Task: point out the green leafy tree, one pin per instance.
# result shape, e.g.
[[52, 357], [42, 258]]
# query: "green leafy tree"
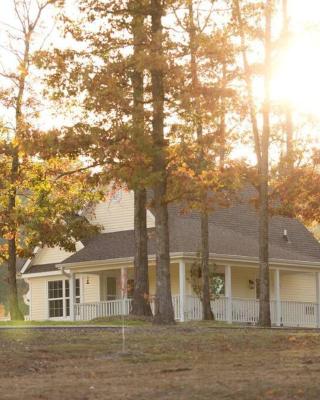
[[39, 199]]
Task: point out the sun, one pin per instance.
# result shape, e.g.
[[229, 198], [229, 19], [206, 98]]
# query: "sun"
[[296, 74]]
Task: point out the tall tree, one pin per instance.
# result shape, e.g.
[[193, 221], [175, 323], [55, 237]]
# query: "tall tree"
[[113, 91], [28, 25], [261, 145], [39, 201], [288, 125], [203, 139], [264, 303], [140, 302], [204, 218], [164, 308]]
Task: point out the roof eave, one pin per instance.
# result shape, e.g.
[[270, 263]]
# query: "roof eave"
[[193, 255]]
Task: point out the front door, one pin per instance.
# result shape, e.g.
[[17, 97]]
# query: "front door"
[[111, 288]]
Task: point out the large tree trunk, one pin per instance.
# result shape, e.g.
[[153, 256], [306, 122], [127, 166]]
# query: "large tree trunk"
[[288, 109], [204, 254], [264, 307], [15, 313], [206, 307], [164, 310], [140, 303], [262, 153], [222, 124], [264, 304]]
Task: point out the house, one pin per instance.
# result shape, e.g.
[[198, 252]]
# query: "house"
[[88, 283]]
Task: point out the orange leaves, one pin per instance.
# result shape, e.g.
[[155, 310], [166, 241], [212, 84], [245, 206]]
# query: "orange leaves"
[[298, 193]]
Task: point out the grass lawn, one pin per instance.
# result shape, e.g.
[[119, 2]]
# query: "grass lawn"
[[96, 322], [188, 361]]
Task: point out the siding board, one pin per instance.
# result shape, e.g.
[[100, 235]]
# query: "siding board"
[[116, 214]]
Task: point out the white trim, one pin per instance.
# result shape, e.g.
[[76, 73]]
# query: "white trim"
[[47, 299], [64, 279], [79, 246], [228, 291], [277, 296], [81, 277], [182, 288], [42, 274], [30, 303], [214, 257], [289, 265]]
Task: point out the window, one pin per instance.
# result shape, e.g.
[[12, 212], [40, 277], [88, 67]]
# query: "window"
[[55, 294], [67, 294], [59, 298], [111, 288]]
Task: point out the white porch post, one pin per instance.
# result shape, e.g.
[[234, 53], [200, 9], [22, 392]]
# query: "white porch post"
[[228, 292], [124, 282], [72, 295], [318, 298], [182, 288], [277, 296]]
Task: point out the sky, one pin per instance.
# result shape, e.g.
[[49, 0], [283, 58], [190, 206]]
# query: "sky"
[[296, 77]]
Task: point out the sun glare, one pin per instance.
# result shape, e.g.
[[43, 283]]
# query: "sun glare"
[[296, 78]]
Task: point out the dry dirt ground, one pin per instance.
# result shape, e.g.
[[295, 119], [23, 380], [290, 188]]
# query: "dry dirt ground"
[[181, 362]]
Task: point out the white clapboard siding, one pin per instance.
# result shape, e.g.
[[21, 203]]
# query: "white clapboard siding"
[[38, 299], [297, 286], [90, 288], [49, 255], [240, 282], [117, 213]]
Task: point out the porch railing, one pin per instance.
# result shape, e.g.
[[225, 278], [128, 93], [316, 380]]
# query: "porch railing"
[[294, 313], [110, 308], [242, 310]]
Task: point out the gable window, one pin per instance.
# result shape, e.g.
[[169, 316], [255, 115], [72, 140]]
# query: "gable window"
[[59, 298]]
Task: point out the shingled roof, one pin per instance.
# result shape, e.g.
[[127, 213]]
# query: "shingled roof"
[[233, 232]]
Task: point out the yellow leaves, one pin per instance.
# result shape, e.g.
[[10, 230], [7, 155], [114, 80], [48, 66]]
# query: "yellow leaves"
[[23, 71], [184, 169]]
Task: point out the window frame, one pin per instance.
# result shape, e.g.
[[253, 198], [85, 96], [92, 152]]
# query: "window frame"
[[64, 298]]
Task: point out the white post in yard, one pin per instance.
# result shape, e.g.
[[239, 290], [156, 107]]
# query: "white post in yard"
[[277, 296], [228, 292], [72, 295], [318, 298], [182, 288]]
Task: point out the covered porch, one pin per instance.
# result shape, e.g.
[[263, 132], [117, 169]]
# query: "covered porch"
[[294, 293]]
